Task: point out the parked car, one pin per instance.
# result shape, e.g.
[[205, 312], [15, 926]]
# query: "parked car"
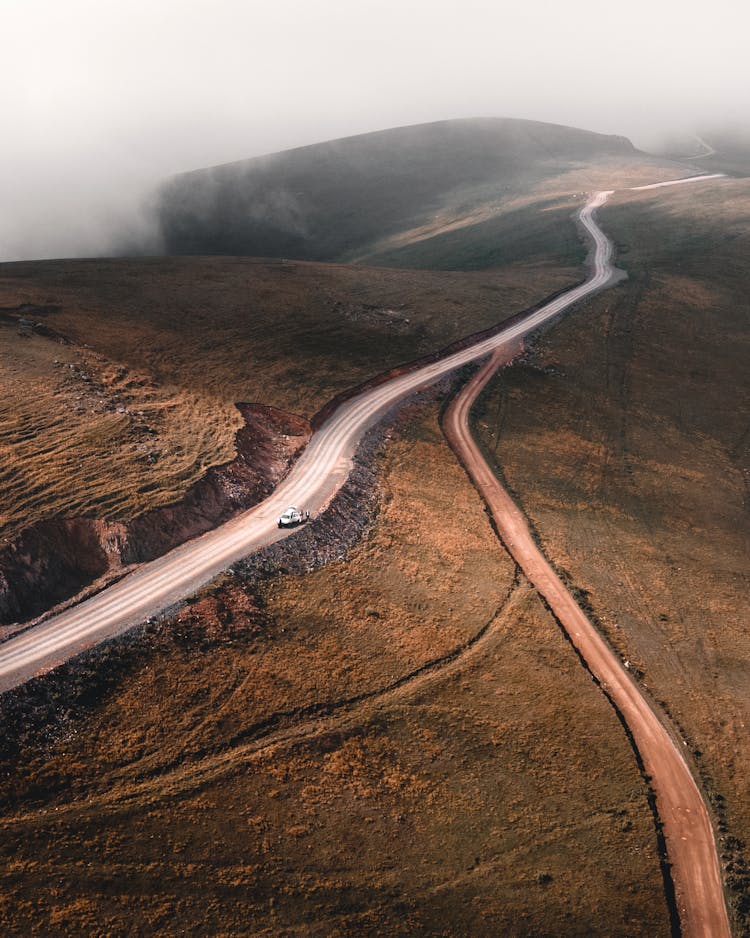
[[291, 518]]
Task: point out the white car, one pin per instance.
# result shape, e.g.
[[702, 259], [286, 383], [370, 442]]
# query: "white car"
[[290, 518]]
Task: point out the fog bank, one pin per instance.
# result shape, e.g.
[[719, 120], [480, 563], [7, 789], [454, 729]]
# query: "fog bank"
[[104, 100]]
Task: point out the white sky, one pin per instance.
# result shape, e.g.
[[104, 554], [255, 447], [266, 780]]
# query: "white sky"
[[102, 99]]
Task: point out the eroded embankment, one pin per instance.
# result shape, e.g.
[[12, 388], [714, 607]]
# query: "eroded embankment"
[[63, 560], [46, 704], [54, 560]]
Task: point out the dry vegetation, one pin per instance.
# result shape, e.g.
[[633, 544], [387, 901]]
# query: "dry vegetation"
[[200, 792], [625, 438], [82, 435], [132, 413], [218, 776]]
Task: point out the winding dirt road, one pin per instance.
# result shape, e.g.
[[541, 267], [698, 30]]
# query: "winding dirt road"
[[708, 150], [686, 824], [316, 477]]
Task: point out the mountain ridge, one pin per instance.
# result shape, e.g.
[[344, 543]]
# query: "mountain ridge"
[[326, 201]]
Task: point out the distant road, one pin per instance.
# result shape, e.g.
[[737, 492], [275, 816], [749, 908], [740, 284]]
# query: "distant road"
[[678, 182], [709, 150]]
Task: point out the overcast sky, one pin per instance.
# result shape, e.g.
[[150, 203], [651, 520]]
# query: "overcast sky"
[[101, 99]]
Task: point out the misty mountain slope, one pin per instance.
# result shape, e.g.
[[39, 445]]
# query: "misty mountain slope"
[[730, 146], [334, 200], [524, 233], [732, 154]]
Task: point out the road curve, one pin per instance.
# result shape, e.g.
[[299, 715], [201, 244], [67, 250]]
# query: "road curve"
[[317, 475], [709, 150], [687, 830], [315, 478]]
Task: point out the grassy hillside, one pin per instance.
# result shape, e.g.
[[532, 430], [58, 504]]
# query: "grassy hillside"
[[494, 794], [528, 231], [334, 200], [134, 410]]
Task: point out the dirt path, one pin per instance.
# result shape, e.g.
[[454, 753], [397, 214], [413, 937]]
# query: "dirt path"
[[687, 829]]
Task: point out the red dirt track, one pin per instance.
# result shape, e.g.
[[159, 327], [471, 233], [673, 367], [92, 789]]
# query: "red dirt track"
[[691, 849]]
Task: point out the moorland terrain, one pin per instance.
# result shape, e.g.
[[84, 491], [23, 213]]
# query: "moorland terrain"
[[401, 740]]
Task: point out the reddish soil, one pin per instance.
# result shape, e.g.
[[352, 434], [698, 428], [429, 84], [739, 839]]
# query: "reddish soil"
[[681, 808], [622, 434], [54, 560]]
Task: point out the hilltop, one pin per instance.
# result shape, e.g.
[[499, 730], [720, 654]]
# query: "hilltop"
[[340, 200]]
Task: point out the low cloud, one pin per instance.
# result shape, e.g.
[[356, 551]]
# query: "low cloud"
[[101, 102]]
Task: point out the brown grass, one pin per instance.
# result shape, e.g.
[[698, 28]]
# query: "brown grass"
[[494, 795], [165, 348], [80, 435]]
